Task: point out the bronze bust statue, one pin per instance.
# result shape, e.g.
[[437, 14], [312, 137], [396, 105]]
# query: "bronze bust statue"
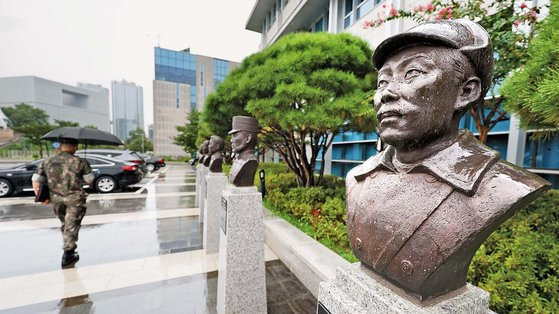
[[216, 158], [419, 210], [205, 160], [243, 142]]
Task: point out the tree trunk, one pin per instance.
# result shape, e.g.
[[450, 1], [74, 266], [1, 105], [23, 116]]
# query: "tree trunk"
[[534, 159], [483, 131]]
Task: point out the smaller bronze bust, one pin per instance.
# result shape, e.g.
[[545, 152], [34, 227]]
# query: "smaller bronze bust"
[[216, 158], [243, 142], [205, 159]]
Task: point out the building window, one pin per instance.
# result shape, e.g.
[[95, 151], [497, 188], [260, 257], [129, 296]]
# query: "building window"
[[201, 74], [319, 25], [193, 98], [348, 9], [364, 7], [221, 69], [177, 95], [273, 13]]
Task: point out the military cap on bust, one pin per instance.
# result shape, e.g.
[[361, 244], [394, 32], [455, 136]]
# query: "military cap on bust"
[[464, 35], [243, 123]]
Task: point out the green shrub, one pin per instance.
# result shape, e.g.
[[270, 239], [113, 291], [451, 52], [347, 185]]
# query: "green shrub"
[[519, 263]]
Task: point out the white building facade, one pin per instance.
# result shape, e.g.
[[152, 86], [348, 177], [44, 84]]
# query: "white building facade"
[[87, 104]]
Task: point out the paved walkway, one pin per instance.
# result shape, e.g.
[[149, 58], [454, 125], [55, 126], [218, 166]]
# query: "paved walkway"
[[140, 252]]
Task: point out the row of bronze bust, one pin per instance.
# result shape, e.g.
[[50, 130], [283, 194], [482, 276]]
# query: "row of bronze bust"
[[243, 143], [418, 210]]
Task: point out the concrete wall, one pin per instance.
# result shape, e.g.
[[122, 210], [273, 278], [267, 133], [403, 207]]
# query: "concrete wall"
[[86, 104]]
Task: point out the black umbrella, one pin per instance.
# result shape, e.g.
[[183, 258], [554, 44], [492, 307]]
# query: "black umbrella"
[[83, 135]]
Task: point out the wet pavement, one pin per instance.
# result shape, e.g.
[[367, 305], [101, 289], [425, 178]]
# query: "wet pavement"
[[140, 252]]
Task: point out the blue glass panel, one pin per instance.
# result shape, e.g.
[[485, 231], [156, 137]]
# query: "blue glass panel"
[[338, 138], [337, 152], [547, 154], [319, 26], [498, 143], [365, 8], [337, 169]]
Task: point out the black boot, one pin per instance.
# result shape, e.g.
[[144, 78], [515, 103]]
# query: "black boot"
[[69, 258]]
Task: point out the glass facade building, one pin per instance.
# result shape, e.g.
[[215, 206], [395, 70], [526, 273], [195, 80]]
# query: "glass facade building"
[[181, 85]]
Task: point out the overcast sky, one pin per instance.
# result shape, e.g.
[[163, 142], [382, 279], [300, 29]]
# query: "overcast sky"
[[97, 41]]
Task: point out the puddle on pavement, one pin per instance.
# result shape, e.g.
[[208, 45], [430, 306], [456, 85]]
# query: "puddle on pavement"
[[192, 294], [28, 252]]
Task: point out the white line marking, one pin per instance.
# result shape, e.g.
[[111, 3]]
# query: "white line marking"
[[145, 185]]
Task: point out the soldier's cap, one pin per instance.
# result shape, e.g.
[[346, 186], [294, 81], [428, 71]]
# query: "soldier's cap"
[[243, 123], [464, 35], [64, 140]]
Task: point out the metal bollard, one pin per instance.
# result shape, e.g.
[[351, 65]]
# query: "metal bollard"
[[263, 182]]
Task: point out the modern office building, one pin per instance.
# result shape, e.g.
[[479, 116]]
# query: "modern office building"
[[87, 104], [182, 82], [275, 18], [128, 108]]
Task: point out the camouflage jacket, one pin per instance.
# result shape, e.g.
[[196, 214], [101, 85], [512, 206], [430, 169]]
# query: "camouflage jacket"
[[64, 174]]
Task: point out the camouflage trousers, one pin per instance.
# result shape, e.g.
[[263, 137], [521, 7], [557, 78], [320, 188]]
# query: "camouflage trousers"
[[70, 210]]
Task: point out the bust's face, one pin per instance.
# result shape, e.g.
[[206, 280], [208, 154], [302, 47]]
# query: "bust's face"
[[213, 146], [240, 141], [205, 145], [415, 98]]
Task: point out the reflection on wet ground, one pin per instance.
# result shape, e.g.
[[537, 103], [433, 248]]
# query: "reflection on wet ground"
[[99, 207], [192, 294], [33, 251], [170, 189]]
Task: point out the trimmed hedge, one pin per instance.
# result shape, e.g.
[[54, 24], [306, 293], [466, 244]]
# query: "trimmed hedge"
[[518, 264]]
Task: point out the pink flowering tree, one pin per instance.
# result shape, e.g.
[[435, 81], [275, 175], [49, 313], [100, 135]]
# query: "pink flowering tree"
[[510, 25]]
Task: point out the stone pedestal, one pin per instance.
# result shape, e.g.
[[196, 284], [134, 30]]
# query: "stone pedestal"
[[198, 180], [241, 286], [215, 184], [203, 191], [358, 290]]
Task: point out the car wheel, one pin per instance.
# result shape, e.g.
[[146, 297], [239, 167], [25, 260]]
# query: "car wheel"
[[150, 167], [6, 188], [105, 184]]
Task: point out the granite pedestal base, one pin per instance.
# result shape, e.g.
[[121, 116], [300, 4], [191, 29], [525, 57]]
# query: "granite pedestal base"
[[198, 182], [215, 184], [203, 192], [356, 289], [241, 285]]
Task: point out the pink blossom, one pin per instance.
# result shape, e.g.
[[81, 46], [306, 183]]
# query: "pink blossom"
[[516, 23], [384, 6], [523, 5], [393, 12], [430, 7]]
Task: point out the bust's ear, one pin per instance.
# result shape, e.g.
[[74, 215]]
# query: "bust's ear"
[[248, 138], [469, 92]]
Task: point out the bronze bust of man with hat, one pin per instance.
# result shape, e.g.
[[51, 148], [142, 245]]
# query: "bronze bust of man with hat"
[[243, 143], [418, 211], [214, 150], [205, 159]]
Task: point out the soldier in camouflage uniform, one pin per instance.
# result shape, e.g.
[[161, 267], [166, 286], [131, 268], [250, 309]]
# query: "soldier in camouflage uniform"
[[65, 175]]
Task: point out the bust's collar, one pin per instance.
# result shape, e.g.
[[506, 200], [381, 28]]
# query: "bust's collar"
[[461, 165]]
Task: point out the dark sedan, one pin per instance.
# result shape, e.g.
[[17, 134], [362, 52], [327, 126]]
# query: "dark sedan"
[[153, 163], [110, 174]]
